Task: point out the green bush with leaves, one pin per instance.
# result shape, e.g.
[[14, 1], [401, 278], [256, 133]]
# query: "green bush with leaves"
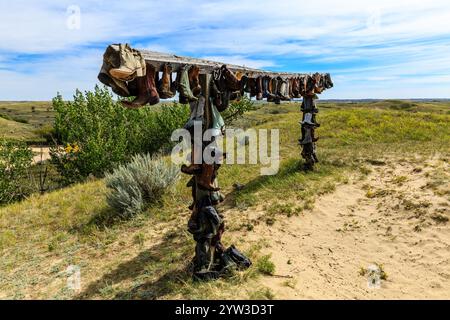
[[139, 183], [15, 161], [107, 134], [237, 108]]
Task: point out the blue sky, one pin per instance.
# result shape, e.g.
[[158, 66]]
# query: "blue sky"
[[373, 49]]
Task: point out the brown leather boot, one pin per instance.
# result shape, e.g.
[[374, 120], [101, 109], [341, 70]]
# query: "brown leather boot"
[[270, 86], [296, 88], [154, 96], [259, 89], [193, 168], [251, 87], [233, 83], [146, 87], [165, 84], [194, 81], [291, 87], [205, 179]]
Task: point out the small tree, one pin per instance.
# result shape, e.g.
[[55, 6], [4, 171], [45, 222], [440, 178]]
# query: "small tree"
[[15, 161]]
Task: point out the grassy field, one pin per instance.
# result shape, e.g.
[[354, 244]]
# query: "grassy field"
[[147, 257], [26, 121]]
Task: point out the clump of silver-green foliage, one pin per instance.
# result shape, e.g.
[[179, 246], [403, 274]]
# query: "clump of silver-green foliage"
[[139, 183]]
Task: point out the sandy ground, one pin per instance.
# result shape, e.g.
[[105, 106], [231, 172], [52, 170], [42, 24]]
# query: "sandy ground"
[[390, 218], [40, 154]]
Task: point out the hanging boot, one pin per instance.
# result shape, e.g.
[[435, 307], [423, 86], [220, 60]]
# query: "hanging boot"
[[184, 88], [291, 87], [252, 87], [243, 80], [296, 88], [259, 89], [205, 179], [265, 86], [233, 83], [193, 168], [194, 81], [131, 64], [147, 92], [165, 84], [118, 87], [270, 86]]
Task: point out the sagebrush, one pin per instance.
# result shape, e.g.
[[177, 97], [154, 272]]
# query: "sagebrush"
[[139, 183]]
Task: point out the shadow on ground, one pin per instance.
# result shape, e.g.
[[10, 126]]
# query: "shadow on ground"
[[145, 265]]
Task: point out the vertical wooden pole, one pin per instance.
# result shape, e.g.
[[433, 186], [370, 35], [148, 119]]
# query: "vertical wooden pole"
[[204, 83]]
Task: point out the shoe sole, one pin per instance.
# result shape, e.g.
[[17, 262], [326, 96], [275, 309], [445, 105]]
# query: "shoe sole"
[[121, 74]]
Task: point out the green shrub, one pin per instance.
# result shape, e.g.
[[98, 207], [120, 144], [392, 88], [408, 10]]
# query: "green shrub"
[[139, 183], [15, 161], [106, 133], [237, 109]]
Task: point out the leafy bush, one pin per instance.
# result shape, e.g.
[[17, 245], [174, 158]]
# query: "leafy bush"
[[139, 183], [237, 109], [106, 133], [15, 160]]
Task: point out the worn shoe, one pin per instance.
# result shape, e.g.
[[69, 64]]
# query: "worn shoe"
[[206, 177], [165, 84], [183, 85], [118, 87], [259, 89], [194, 81], [233, 82], [147, 92], [131, 64]]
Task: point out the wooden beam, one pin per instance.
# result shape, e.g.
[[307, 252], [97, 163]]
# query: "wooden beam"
[[157, 59]]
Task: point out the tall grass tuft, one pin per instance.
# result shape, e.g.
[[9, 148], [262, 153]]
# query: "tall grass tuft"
[[139, 183]]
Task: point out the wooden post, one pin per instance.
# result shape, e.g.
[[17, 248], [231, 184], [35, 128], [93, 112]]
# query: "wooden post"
[[204, 83]]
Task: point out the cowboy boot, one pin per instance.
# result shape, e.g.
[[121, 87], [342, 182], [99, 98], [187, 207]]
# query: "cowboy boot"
[[165, 84], [259, 90], [184, 88], [291, 87], [252, 87], [265, 84], [282, 87], [328, 83], [243, 80], [194, 81], [317, 83], [232, 82], [269, 85], [206, 177], [215, 94], [193, 168], [273, 86], [296, 88], [147, 92]]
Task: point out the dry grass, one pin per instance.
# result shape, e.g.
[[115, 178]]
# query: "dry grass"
[[148, 256]]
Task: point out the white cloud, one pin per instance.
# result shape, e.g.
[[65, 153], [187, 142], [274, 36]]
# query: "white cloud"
[[368, 41]]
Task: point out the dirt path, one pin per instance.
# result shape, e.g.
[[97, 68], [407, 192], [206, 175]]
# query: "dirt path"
[[393, 218], [41, 154]]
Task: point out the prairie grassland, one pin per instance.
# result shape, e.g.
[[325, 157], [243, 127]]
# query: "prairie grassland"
[[26, 121], [147, 257]]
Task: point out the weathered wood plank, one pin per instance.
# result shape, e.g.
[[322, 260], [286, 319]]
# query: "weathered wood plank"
[[206, 66]]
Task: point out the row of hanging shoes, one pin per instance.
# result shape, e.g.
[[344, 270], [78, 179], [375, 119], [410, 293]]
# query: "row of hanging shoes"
[[277, 89], [127, 73]]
